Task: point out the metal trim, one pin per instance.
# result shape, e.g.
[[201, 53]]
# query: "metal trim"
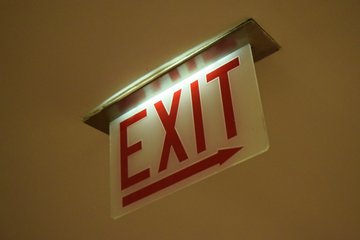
[[248, 31]]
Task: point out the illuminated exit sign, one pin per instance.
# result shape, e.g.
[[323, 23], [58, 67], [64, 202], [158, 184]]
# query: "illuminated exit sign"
[[190, 122]]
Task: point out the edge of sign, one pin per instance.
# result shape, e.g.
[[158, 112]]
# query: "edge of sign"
[[117, 215]]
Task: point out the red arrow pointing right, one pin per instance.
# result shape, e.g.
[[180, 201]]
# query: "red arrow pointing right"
[[218, 158]]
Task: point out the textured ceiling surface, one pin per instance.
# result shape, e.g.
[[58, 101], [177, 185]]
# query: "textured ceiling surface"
[[59, 59]]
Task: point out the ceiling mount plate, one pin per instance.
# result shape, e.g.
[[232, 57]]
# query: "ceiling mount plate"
[[248, 32]]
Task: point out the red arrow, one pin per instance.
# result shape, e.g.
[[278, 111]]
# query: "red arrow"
[[218, 158]]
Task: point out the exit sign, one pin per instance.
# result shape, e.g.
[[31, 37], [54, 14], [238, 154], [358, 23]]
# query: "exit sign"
[[207, 122], [192, 117]]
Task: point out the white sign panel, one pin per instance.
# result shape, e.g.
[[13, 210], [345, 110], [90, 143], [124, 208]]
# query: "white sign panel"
[[206, 123]]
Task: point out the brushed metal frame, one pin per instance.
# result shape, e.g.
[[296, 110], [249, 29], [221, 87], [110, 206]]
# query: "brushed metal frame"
[[248, 31]]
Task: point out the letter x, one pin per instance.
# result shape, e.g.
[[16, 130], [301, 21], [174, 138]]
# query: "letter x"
[[171, 138]]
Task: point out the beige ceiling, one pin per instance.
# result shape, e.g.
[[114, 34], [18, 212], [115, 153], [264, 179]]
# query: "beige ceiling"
[[59, 59]]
